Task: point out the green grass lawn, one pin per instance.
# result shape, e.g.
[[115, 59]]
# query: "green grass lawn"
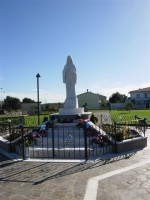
[[126, 116], [26, 120]]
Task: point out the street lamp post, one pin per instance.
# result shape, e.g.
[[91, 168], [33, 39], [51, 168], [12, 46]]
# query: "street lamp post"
[[38, 103]]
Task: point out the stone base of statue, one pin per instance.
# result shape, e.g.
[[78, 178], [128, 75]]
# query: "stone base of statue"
[[70, 114], [71, 111]]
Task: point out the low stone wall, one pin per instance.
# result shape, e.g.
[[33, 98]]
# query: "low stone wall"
[[131, 144]]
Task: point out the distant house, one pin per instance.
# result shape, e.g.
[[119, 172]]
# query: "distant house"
[[141, 98], [30, 108], [92, 101]]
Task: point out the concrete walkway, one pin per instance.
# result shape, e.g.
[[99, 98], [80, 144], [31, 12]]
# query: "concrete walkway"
[[117, 176]]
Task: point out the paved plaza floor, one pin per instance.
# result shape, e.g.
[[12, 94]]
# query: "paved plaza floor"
[[117, 176]]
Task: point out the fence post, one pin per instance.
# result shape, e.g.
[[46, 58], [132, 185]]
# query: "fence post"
[[53, 141], [10, 135], [22, 138], [115, 124], [85, 142], [101, 118], [144, 127]]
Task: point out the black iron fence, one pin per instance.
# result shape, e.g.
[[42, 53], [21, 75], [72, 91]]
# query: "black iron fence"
[[59, 142], [29, 121], [71, 142]]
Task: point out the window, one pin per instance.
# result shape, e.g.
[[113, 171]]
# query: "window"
[[138, 96]]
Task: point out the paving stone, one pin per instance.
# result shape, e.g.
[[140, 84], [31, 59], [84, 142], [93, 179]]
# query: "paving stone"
[[68, 181]]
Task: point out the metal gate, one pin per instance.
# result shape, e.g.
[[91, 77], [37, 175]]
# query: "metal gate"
[[63, 142]]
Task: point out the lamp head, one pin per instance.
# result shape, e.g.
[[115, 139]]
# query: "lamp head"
[[38, 75]]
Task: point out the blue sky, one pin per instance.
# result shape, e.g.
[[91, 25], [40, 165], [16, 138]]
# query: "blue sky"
[[108, 40]]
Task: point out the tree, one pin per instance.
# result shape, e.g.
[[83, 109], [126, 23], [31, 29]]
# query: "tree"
[[117, 98], [128, 106], [12, 103], [27, 100], [45, 107]]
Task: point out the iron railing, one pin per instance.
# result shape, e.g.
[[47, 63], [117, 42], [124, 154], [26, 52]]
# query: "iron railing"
[[71, 142]]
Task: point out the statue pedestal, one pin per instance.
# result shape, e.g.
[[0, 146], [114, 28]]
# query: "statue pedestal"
[[71, 114], [71, 111]]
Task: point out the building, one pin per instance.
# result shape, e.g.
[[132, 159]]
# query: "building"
[[140, 98], [92, 101]]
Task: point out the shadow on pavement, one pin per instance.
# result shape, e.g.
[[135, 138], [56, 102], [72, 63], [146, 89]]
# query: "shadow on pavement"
[[37, 173]]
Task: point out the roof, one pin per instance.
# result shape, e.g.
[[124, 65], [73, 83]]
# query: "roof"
[[91, 93], [141, 90]]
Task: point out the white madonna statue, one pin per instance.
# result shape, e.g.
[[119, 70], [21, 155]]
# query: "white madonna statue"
[[70, 79]]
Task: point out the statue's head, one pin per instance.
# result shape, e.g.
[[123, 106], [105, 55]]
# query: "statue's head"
[[69, 60]]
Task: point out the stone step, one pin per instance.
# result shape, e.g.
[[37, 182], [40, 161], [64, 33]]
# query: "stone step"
[[67, 153], [63, 153]]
